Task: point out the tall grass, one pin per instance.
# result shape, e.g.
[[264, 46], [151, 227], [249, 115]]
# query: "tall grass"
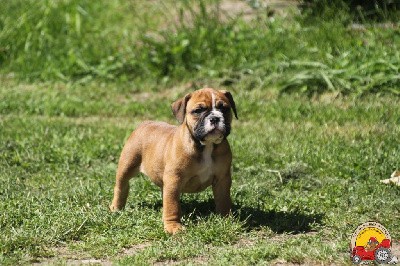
[[114, 40], [48, 39]]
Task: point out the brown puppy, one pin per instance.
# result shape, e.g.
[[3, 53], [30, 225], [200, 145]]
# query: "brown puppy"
[[185, 158]]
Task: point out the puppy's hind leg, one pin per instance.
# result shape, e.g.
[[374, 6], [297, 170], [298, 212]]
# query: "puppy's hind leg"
[[128, 166]]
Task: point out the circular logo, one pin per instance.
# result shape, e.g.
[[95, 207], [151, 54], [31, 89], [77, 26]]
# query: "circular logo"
[[369, 231]]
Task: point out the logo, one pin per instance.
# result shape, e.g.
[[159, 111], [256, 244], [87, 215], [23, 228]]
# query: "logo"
[[371, 241]]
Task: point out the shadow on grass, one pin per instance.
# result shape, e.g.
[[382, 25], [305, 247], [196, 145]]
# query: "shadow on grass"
[[279, 222]]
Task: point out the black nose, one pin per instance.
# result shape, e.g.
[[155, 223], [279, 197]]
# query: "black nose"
[[214, 120]]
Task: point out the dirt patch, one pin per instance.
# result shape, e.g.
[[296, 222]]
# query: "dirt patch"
[[283, 262], [229, 9], [201, 260], [236, 8], [134, 249], [283, 237], [64, 255], [73, 262], [249, 9], [396, 249], [245, 243]]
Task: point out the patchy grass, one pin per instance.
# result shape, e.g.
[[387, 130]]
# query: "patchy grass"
[[319, 126], [60, 145], [175, 41]]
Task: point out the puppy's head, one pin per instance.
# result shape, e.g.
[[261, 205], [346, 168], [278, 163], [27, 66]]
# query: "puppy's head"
[[207, 114]]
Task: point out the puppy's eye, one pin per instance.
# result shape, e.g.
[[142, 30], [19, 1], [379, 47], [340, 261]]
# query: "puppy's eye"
[[198, 110], [223, 108]]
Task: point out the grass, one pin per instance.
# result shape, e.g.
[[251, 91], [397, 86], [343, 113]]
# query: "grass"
[[58, 161], [317, 101], [175, 42]]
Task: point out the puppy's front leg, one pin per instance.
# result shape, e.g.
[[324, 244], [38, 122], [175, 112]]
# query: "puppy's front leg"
[[171, 206], [221, 189]]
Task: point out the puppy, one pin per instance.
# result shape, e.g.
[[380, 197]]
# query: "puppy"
[[182, 159]]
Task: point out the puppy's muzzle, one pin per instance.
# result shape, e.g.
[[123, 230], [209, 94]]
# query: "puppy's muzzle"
[[214, 120], [211, 128]]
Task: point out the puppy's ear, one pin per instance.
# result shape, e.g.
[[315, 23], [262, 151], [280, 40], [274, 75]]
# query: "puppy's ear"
[[179, 108], [231, 101]]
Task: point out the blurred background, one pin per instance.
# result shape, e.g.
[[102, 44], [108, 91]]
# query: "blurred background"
[[308, 46]]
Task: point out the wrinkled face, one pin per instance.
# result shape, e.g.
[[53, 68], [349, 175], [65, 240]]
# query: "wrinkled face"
[[208, 115]]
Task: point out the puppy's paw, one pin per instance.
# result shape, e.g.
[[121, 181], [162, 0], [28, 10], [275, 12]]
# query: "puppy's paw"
[[224, 213], [173, 228], [114, 208]]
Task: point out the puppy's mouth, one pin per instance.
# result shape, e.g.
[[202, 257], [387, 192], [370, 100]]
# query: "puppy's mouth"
[[216, 131], [215, 136], [211, 128]]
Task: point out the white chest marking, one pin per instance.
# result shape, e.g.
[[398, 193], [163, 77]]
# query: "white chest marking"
[[141, 169], [205, 171]]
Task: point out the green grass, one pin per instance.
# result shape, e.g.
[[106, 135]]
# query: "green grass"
[[317, 102], [58, 159], [136, 41]]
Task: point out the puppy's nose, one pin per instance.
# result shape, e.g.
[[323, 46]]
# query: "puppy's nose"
[[214, 120]]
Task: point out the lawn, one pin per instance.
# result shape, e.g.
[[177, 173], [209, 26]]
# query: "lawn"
[[58, 161], [318, 128]]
